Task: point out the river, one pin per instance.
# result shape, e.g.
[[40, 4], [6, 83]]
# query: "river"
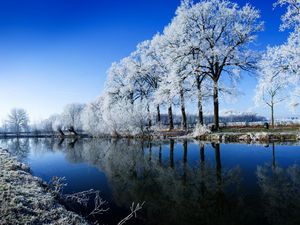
[[182, 182]]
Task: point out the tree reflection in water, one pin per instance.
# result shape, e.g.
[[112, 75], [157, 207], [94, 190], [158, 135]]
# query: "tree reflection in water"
[[18, 147], [174, 194], [177, 191], [280, 192]]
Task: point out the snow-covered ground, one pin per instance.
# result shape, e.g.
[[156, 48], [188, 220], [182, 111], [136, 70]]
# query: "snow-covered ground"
[[24, 199]]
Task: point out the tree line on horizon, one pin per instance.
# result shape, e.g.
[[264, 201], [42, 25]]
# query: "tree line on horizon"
[[18, 122]]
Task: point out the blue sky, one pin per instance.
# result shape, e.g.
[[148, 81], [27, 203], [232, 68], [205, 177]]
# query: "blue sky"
[[55, 52]]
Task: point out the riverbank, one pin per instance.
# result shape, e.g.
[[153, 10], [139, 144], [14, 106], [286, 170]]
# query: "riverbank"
[[234, 135], [25, 199], [250, 137], [225, 134]]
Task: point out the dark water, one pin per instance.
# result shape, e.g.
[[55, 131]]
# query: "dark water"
[[182, 182]]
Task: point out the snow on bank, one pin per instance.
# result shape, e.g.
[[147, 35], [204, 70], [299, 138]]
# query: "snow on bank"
[[250, 137], [24, 199]]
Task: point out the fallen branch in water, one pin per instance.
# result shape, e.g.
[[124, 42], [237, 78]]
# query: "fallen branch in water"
[[98, 209], [134, 209], [83, 198]]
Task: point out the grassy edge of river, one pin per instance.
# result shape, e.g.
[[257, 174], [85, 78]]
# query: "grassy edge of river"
[[26, 199], [251, 137]]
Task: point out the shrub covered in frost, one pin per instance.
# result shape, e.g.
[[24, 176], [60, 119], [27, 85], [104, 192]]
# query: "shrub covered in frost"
[[200, 130]]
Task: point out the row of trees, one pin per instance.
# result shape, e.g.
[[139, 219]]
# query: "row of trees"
[[79, 117], [70, 119], [205, 46], [198, 57], [279, 67]]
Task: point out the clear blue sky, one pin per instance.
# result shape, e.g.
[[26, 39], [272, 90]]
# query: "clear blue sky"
[[55, 52]]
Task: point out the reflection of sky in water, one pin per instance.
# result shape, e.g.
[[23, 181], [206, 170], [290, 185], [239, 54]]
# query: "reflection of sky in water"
[[126, 171]]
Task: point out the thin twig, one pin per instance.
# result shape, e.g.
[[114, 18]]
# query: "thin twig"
[[134, 209]]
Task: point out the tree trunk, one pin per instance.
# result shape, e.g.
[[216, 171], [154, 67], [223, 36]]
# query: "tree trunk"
[[272, 115], [72, 130], [170, 115], [61, 132], [17, 130], [149, 116], [200, 109], [216, 105], [158, 114], [131, 98], [183, 114]]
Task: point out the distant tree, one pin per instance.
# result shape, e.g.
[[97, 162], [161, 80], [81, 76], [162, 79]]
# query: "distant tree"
[[92, 118], [72, 115], [5, 127], [271, 85], [18, 120], [47, 125], [57, 123]]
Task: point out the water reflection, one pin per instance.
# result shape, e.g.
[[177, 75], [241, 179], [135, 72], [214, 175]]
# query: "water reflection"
[[280, 192], [184, 188], [18, 147]]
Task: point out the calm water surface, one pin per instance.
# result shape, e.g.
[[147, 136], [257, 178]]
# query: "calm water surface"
[[182, 182]]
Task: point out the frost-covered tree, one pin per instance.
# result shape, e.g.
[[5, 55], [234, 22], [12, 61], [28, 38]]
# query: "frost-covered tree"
[[182, 59], [57, 123], [175, 49], [291, 19], [18, 120], [143, 71], [92, 118], [120, 82], [165, 93], [123, 118], [126, 99], [47, 125], [220, 33], [72, 115], [4, 127], [154, 69], [289, 52], [202, 88], [280, 65], [271, 85], [165, 96]]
